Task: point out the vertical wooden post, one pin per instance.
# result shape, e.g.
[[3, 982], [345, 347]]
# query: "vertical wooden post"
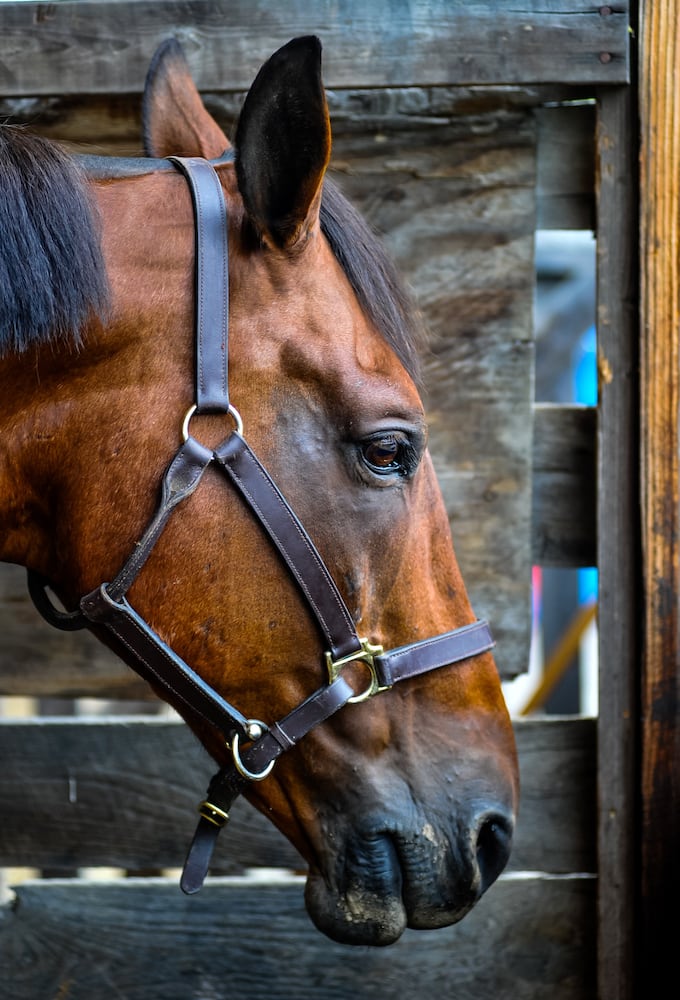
[[659, 95], [618, 537]]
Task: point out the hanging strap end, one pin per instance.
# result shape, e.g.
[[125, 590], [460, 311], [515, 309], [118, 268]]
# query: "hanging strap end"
[[202, 846]]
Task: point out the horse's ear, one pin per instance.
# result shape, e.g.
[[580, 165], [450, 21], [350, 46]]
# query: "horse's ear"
[[174, 119], [283, 144]]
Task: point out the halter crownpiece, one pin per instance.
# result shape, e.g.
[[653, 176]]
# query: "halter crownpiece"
[[155, 661]]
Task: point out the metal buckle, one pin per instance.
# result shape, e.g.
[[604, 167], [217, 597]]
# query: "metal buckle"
[[218, 817], [366, 655]]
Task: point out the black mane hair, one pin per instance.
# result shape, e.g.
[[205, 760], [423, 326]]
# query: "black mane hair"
[[373, 277], [52, 275]]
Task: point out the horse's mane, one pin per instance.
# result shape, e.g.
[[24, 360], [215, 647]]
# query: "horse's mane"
[[52, 276], [373, 277]]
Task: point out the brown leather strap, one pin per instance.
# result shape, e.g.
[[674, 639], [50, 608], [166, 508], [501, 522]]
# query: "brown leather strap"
[[430, 654], [160, 665], [212, 283], [293, 543], [180, 480], [228, 784]]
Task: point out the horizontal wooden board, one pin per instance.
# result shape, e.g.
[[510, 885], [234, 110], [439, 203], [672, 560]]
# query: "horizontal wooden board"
[[110, 125], [564, 529], [36, 659], [105, 47], [124, 793], [528, 939], [566, 167]]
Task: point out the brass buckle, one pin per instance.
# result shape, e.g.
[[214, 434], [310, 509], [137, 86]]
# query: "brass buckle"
[[366, 655], [218, 817]]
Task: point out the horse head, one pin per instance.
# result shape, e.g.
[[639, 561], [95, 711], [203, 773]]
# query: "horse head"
[[402, 804]]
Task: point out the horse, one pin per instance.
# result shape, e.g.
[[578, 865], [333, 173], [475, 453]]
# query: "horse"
[[401, 797]]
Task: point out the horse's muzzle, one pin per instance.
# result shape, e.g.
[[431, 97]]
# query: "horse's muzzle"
[[389, 878]]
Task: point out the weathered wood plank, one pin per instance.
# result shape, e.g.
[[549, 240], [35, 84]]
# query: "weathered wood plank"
[[110, 124], [566, 167], [564, 497], [124, 793], [659, 765], [529, 939], [619, 601], [105, 47], [36, 659]]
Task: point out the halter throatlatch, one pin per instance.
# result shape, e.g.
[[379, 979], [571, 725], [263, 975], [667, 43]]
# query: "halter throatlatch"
[[155, 661]]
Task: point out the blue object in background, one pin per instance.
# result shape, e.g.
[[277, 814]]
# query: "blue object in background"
[[585, 391]]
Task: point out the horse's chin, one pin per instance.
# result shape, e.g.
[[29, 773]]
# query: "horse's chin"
[[377, 900], [360, 917], [383, 882]]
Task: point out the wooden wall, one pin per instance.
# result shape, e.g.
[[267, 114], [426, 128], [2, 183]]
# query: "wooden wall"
[[456, 132]]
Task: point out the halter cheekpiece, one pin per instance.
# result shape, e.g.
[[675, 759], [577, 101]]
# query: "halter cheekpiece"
[[157, 662]]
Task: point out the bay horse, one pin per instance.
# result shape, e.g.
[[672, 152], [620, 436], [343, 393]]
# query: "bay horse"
[[118, 282]]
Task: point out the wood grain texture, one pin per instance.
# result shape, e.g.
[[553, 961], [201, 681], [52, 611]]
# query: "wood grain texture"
[[618, 542], [566, 167], [38, 660], [105, 47], [125, 792], [660, 445], [564, 529], [528, 939]]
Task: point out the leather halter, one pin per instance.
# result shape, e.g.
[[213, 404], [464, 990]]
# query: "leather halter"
[[157, 662]]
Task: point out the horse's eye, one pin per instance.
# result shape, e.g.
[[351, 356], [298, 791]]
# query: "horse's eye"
[[384, 455]]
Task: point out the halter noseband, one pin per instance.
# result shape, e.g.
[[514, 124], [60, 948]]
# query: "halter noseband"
[[157, 662]]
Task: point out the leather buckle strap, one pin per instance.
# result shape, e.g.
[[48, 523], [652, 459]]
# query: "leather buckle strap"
[[429, 654], [228, 783], [158, 664]]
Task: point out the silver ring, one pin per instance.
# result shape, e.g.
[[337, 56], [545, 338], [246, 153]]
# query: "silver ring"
[[238, 763], [232, 411]]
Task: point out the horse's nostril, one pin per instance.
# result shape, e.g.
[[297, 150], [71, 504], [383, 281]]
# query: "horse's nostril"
[[494, 841]]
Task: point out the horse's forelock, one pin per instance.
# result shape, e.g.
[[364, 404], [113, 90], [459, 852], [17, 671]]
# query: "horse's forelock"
[[52, 275], [373, 277]]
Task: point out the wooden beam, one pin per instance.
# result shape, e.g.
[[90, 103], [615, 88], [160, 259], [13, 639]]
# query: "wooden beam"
[[105, 47], [529, 938], [564, 531], [660, 488], [618, 540], [124, 792], [566, 167]]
